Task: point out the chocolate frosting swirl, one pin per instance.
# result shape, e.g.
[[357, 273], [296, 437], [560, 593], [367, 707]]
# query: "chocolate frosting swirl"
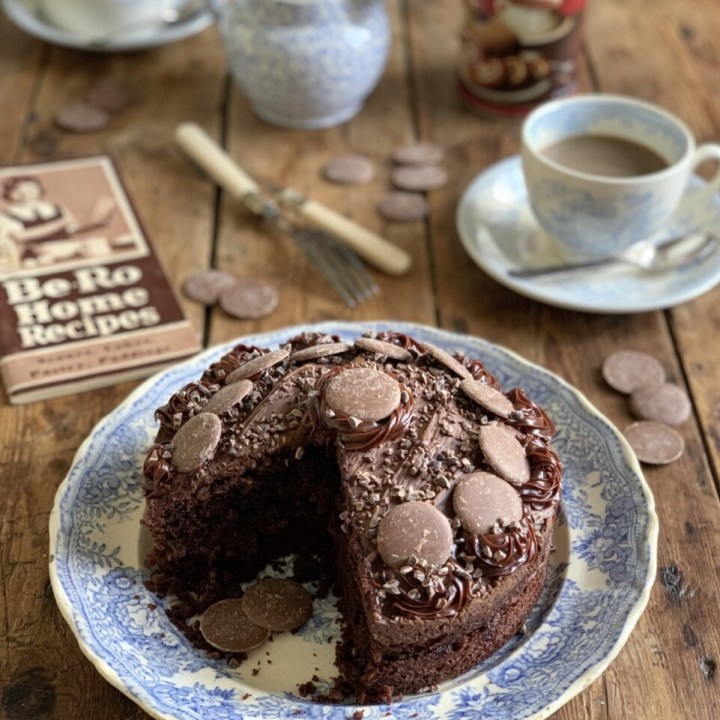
[[157, 473], [401, 340], [529, 417], [366, 434], [543, 488], [480, 372], [183, 405], [417, 594], [502, 553], [219, 370]]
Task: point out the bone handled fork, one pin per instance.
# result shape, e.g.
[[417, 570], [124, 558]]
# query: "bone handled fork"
[[372, 248]]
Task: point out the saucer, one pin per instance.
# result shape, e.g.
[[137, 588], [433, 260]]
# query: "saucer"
[[500, 233], [26, 15]]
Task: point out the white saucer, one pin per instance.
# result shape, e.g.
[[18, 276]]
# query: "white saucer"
[[499, 232], [25, 14]]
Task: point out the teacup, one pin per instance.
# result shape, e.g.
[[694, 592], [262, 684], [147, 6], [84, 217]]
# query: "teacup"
[[97, 18], [606, 171]]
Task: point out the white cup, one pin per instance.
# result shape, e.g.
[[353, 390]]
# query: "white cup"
[[595, 215], [96, 18]]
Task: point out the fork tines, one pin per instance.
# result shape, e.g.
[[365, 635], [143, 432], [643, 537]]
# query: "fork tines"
[[339, 264]]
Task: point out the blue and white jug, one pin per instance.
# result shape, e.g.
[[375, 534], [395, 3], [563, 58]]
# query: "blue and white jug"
[[305, 63]]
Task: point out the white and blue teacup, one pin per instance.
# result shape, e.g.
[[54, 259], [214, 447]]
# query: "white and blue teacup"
[[593, 215]]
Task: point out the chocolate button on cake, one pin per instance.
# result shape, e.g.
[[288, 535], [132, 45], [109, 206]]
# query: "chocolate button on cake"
[[438, 488]]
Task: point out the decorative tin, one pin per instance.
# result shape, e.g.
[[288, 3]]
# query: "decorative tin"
[[518, 53]]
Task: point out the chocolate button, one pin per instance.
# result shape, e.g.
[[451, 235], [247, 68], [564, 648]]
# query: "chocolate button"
[[380, 347], [482, 499], [248, 299], [504, 453], [363, 393], [664, 403], [654, 443], [419, 178], [228, 396], [277, 604], [401, 206], [626, 370], [317, 351], [421, 153], [487, 397], [414, 528], [205, 286], [108, 95], [257, 365], [195, 441], [82, 118], [226, 626], [447, 360], [349, 170]]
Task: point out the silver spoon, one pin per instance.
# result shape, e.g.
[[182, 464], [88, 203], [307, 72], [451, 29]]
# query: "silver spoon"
[[187, 12], [646, 255]]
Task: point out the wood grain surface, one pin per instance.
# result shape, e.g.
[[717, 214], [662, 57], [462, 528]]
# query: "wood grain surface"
[[661, 50]]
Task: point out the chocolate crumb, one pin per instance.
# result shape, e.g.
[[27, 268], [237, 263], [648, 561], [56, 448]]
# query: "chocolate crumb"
[[708, 666], [673, 582]]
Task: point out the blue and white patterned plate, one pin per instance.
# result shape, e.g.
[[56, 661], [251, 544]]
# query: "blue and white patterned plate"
[[499, 232], [598, 583]]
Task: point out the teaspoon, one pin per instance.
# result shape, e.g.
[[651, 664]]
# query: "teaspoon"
[[646, 255]]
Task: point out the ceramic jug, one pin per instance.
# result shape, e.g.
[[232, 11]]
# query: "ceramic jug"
[[305, 63]]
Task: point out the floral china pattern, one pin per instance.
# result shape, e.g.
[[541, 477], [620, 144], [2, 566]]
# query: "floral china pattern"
[[597, 586]]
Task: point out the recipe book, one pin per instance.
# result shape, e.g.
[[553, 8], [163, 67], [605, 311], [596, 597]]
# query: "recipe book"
[[84, 302]]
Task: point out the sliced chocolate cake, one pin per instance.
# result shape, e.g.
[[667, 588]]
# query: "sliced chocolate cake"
[[435, 491]]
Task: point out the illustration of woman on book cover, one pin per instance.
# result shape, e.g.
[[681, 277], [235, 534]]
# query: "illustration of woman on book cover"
[[35, 230]]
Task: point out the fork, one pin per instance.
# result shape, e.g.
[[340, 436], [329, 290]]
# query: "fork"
[[338, 263]]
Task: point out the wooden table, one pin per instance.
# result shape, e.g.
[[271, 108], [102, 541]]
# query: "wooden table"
[[659, 50]]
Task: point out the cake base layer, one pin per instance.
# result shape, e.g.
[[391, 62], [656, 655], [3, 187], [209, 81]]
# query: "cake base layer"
[[379, 675]]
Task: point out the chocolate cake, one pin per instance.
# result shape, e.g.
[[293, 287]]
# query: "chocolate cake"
[[435, 490]]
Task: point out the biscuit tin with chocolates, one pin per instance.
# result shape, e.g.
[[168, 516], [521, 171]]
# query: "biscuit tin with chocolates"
[[516, 54]]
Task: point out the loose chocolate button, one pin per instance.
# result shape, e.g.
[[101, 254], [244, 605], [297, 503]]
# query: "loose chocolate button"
[[414, 529], [227, 397], [487, 397], [108, 95], [483, 499], [277, 604], [257, 365], [363, 393], [247, 298], [195, 441], [419, 178], [504, 453], [81, 118], [664, 403], [205, 286], [626, 370], [420, 153], [380, 347], [401, 206], [350, 169], [318, 351], [447, 360], [226, 626], [654, 443]]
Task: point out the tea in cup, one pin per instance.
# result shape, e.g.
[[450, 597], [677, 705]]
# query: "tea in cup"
[[99, 18], [606, 171]]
